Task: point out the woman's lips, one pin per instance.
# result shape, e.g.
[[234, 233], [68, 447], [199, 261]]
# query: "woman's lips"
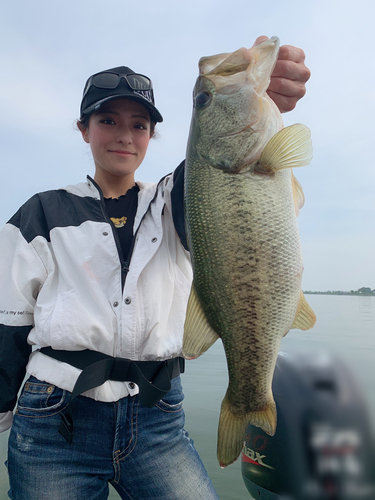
[[121, 153]]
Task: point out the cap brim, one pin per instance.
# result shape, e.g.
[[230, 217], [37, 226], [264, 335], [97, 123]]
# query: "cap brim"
[[154, 113]]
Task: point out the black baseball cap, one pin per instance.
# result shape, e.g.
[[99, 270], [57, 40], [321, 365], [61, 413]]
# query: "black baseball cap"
[[117, 83]]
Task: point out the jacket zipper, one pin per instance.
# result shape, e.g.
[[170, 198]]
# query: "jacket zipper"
[[125, 265]]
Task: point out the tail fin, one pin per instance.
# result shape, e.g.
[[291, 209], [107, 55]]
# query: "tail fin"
[[232, 429]]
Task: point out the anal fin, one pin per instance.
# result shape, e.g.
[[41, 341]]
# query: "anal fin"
[[305, 316], [198, 333]]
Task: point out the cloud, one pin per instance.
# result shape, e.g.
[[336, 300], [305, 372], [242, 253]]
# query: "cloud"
[[48, 51]]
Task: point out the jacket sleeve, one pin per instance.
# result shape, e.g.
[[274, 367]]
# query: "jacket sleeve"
[[21, 275], [177, 199]]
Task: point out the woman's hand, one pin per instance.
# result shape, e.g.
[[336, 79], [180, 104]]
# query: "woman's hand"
[[288, 78]]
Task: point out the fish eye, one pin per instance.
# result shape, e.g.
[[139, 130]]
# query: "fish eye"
[[202, 99]]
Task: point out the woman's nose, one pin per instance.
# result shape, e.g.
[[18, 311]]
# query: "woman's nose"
[[124, 135]]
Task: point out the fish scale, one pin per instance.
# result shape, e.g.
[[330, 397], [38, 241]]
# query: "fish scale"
[[241, 201], [251, 272]]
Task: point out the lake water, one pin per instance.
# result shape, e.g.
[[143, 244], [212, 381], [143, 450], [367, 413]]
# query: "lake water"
[[345, 326]]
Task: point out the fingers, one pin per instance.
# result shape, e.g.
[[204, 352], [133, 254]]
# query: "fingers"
[[291, 64], [286, 52], [291, 53], [287, 87], [260, 39], [286, 92], [289, 76], [283, 102]]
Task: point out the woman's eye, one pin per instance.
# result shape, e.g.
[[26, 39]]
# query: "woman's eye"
[[107, 121]]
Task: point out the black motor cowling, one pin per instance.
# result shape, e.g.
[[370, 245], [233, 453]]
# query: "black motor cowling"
[[323, 448]]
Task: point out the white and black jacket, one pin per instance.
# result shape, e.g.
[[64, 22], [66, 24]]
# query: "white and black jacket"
[[64, 284]]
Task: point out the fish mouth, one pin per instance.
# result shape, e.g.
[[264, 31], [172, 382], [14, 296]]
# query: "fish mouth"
[[237, 68], [226, 64]]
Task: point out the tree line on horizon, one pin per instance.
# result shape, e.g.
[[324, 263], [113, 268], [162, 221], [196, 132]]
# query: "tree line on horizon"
[[361, 291]]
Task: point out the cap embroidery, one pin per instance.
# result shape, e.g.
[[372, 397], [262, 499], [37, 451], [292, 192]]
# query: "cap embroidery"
[[144, 93]]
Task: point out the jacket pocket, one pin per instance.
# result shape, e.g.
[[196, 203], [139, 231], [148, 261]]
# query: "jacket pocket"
[[41, 399]]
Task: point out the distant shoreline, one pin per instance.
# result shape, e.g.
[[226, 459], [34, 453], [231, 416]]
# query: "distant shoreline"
[[357, 294]]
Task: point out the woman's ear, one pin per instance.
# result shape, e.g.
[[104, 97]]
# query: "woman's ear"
[[84, 131]]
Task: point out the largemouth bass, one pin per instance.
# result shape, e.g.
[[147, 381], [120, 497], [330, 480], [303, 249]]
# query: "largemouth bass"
[[241, 202]]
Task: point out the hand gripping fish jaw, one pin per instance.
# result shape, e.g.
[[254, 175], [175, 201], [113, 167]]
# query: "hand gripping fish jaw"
[[235, 84]]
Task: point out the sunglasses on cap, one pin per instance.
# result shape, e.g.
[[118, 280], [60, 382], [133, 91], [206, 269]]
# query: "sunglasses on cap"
[[118, 82], [109, 80]]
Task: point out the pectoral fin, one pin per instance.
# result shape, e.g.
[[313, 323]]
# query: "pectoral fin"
[[305, 317], [198, 333], [289, 148]]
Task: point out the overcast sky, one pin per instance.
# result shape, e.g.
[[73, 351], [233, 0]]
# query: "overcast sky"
[[49, 49]]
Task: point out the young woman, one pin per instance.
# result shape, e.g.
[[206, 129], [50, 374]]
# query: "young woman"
[[98, 275]]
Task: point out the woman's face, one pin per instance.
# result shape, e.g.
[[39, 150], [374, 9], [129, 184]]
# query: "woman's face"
[[118, 136]]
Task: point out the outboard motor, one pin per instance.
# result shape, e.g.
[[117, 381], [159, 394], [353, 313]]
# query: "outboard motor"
[[323, 448]]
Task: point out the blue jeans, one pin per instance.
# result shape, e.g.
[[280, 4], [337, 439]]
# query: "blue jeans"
[[144, 453]]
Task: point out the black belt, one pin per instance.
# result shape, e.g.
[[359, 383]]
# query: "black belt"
[[152, 377]]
